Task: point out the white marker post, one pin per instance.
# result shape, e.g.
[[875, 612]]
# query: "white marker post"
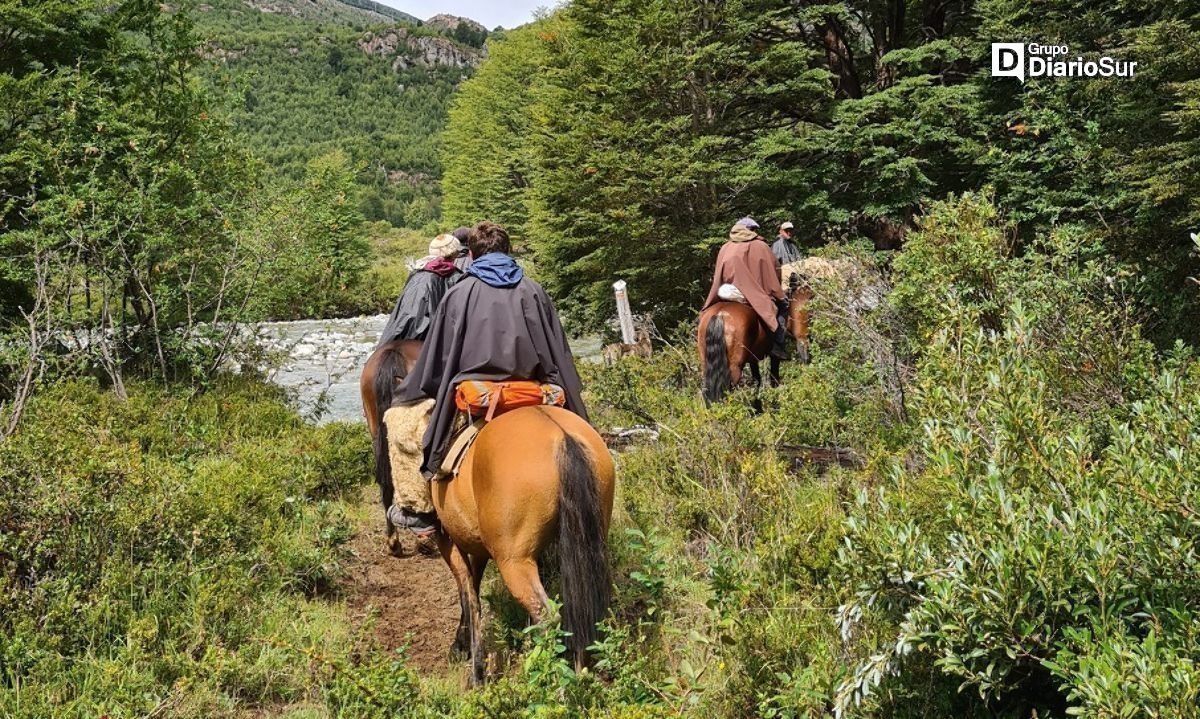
[[624, 314]]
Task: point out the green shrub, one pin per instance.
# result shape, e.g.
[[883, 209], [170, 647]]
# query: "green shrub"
[[1036, 559], [377, 687], [158, 552], [953, 262]]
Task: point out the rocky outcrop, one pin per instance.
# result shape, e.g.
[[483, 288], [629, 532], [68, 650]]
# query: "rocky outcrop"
[[412, 179], [450, 23], [432, 51], [408, 50], [213, 51]]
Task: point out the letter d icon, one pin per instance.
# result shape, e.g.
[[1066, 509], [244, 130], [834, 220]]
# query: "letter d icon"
[[1008, 60]]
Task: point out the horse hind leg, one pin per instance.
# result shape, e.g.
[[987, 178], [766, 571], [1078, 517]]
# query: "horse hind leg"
[[736, 375], [460, 650], [522, 579], [462, 637]]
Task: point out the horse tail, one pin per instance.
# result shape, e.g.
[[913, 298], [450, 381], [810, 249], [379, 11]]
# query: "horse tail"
[[717, 380], [582, 552], [391, 368]]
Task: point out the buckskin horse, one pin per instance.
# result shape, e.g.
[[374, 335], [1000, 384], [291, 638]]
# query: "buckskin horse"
[[387, 365], [532, 475], [731, 336]]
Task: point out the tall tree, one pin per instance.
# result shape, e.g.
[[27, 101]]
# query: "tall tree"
[[487, 148], [654, 125], [119, 190], [655, 130]]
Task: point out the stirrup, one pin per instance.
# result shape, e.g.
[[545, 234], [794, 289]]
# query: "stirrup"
[[422, 525]]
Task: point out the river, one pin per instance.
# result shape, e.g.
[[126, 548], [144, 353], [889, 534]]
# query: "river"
[[321, 361]]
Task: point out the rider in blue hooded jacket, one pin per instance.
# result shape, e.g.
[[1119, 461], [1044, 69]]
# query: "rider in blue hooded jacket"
[[494, 324]]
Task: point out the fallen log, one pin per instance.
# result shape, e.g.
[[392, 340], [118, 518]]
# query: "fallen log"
[[614, 352], [623, 438]]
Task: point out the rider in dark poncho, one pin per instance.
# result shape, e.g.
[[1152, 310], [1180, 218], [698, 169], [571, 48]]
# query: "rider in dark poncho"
[[495, 324], [431, 277]]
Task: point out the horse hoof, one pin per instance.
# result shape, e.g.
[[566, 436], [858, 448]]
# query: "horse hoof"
[[428, 546], [395, 546]]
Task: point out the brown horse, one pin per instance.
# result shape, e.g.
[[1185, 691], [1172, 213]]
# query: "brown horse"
[[533, 475], [387, 365], [731, 336]]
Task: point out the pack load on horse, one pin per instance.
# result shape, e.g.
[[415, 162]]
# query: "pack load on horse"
[[399, 346], [744, 327], [496, 359]]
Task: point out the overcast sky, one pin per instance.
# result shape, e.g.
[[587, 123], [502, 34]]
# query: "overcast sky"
[[489, 12]]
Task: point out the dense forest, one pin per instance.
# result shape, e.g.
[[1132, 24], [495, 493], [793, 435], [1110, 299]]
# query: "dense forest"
[[978, 498], [624, 137], [305, 79]]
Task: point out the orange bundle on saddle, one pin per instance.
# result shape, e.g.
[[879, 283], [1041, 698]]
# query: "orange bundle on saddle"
[[482, 398]]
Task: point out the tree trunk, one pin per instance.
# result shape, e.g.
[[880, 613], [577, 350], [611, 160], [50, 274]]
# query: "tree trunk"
[[841, 60]]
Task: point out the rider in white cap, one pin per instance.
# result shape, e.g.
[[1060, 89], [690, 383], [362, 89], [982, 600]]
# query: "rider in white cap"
[[784, 248], [429, 279]]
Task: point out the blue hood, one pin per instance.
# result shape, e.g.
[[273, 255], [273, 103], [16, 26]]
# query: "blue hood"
[[497, 269]]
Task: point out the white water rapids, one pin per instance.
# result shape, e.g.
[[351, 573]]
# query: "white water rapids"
[[323, 359]]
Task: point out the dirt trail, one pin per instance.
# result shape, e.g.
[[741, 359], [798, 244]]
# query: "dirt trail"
[[415, 597]]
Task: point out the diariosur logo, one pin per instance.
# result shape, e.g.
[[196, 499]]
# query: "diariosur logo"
[[1026, 60]]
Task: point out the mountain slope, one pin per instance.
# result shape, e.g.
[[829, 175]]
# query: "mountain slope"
[[307, 77], [344, 11]]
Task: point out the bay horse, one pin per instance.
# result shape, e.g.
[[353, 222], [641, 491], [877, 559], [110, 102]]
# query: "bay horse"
[[731, 336], [385, 368], [533, 475]]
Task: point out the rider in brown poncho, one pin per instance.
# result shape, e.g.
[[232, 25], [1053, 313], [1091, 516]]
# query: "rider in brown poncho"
[[746, 262], [494, 324]]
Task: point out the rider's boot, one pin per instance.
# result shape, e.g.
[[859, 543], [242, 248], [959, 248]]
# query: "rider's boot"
[[779, 348], [422, 524]]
